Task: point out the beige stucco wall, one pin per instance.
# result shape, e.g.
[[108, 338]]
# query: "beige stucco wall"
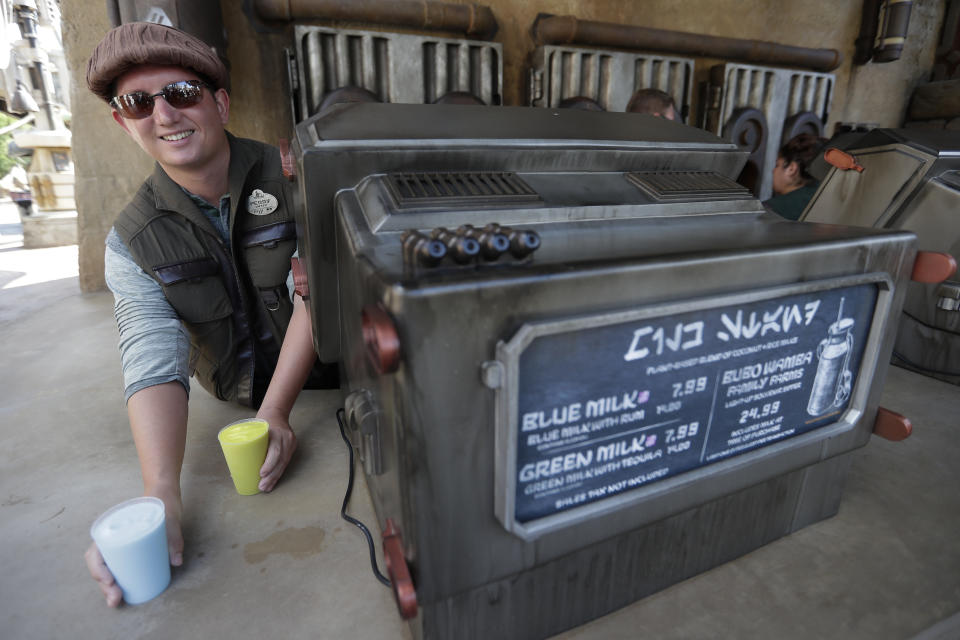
[[110, 167]]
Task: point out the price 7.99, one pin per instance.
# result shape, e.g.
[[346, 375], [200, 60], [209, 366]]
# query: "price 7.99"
[[687, 387], [682, 432]]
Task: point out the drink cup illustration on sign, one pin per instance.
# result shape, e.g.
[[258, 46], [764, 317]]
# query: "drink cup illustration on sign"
[[831, 386]]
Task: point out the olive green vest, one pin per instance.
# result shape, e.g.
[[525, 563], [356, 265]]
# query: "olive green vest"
[[233, 302]]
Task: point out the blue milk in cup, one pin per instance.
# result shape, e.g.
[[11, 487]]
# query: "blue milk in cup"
[[132, 539]]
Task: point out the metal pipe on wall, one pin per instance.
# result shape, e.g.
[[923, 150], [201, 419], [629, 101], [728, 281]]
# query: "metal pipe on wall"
[[894, 22], [548, 29], [869, 22], [471, 19]]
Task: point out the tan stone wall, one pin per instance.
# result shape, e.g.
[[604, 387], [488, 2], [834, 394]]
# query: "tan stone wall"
[[110, 167]]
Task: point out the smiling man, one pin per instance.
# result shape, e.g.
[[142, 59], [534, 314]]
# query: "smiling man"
[[198, 262]]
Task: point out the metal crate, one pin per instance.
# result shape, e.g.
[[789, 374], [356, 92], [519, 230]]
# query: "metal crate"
[[777, 94], [674, 378], [395, 67], [609, 77]]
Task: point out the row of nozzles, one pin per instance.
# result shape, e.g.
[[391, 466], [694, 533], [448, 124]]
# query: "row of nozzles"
[[467, 244]]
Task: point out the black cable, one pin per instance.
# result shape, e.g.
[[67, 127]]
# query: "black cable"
[[346, 499]]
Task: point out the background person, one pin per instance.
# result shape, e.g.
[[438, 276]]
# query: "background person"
[[793, 186], [654, 102], [198, 263]]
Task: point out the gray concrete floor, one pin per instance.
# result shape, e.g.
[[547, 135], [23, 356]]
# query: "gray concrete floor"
[[286, 565]]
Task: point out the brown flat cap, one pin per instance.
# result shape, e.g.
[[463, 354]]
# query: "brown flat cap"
[[136, 43]]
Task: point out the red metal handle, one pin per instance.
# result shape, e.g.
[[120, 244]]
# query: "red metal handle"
[[933, 267], [892, 426], [380, 339], [398, 572], [841, 160]]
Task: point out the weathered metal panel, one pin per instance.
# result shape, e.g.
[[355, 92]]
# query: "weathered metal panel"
[[776, 92], [395, 67], [612, 256], [609, 77]]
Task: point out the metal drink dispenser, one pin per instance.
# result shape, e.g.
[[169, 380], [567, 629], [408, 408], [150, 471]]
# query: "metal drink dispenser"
[[578, 359]]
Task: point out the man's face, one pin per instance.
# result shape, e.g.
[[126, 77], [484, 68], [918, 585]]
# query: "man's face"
[[185, 139], [670, 113]]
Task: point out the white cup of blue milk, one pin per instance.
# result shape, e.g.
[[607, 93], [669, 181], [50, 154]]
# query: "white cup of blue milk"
[[132, 539]]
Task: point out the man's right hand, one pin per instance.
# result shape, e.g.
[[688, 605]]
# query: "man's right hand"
[[98, 568]]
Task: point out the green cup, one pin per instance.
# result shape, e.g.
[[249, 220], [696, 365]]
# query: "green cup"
[[244, 445]]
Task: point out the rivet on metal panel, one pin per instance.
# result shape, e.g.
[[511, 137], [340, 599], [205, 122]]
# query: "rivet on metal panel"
[[398, 572], [841, 160], [932, 267], [380, 339], [892, 426], [491, 372]]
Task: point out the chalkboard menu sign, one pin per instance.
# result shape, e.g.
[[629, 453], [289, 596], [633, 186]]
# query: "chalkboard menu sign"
[[605, 409]]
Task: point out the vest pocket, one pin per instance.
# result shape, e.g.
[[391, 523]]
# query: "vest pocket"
[[195, 290], [271, 235], [267, 251]]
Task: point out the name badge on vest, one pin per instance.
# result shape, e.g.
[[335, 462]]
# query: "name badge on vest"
[[260, 203]]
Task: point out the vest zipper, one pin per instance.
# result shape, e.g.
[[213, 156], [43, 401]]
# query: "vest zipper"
[[245, 356]]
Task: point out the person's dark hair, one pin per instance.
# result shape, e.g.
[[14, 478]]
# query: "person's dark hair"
[[650, 101], [580, 102], [802, 149]]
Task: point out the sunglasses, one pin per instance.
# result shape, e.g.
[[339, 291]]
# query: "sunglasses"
[[137, 105]]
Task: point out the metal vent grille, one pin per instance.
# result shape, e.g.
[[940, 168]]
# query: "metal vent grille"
[[330, 60], [810, 92], [578, 73], [688, 185], [396, 67], [607, 76], [461, 66], [746, 87], [671, 75], [459, 189]]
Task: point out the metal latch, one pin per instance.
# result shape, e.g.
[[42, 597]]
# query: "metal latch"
[[535, 87], [948, 296], [363, 420]]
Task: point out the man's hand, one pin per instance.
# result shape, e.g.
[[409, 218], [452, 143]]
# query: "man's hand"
[[293, 368], [100, 573], [280, 449], [98, 568]]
